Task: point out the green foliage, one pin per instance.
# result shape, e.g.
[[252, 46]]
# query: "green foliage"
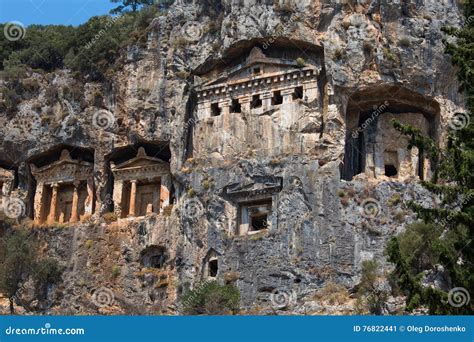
[[420, 248], [211, 298], [447, 236], [129, 5], [301, 62], [46, 272], [19, 261], [116, 271], [369, 294], [91, 48], [97, 44]]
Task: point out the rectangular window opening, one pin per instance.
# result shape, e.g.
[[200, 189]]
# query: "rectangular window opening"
[[298, 93], [255, 217], [213, 268], [277, 99], [256, 102], [235, 106], [256, 71], [215, 110]]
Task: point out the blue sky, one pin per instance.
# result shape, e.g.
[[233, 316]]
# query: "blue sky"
[[66, 12]]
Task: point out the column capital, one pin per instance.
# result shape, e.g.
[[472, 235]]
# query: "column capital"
[[225, 103], [287, 92], [245, 99]]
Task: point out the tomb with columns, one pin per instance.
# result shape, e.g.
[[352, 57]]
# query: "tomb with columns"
[[141, 185], [260, 99], [64, 190], [374, 147]]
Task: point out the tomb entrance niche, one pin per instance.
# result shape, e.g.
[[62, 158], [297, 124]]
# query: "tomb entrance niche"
[[374, 147], [64, 190], [255, 82], [255, 202], [211, 265], [141, 186], [153, 257]]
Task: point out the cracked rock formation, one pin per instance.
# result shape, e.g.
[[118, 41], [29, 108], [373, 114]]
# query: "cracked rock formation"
[[255, 148]]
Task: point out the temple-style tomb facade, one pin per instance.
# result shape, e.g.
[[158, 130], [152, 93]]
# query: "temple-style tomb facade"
[[141, 186], [258, 84], [64, 190]]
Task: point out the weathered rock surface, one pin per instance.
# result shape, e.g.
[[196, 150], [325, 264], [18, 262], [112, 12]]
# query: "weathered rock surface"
[[321, 229]]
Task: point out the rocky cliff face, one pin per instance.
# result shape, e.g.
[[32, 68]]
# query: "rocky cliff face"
[[320, 228]]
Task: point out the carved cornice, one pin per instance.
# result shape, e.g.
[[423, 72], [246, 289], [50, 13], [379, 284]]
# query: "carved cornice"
[[141, 172], [140, 167], [255, 188], [65, 170], [258, 84]]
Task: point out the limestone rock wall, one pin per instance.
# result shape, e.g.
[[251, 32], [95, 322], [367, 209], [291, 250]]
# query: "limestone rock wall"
[[321, 226]]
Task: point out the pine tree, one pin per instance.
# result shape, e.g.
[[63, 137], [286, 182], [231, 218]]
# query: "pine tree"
[[134, 5], [447, 235]]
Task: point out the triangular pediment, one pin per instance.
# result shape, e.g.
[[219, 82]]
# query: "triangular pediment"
[[141, 160], [246, 70], [64, 162], [65, 169]]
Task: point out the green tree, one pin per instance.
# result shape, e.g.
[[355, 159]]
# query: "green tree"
[[132, 5], [211, 298], [447, 235], [371, 295], [17, 259]]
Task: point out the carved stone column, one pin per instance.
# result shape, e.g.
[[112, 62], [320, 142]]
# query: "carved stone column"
[[38, 203], [133, 198], [287, 95], [414, 159], [89, 203], [165, 192], [225, 107], [203, 110], [310, 90], [54, 203], [117, 197], [266, 101], [245, 103], [75, 203]]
